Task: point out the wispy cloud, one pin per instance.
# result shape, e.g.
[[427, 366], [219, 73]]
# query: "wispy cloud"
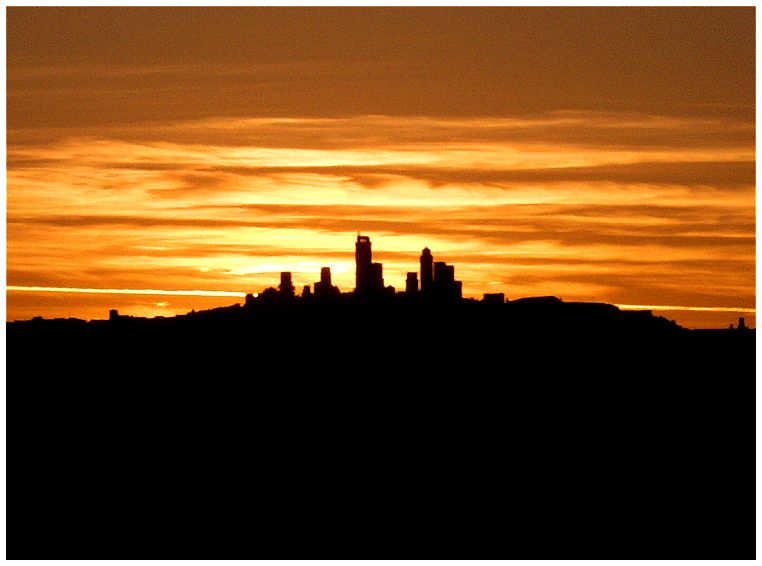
[[619, 207], [162, 292]]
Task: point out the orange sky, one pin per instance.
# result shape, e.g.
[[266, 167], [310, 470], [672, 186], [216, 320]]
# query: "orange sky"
[[593, 154]]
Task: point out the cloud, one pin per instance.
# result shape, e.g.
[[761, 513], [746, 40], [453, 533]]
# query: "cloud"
[[590, 128], [724, 174], [328, 62]]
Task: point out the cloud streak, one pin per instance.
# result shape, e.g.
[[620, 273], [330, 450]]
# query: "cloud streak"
[[163, 292]]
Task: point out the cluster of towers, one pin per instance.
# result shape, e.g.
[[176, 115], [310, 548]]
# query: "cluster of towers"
[[437, 278], [323, 289]]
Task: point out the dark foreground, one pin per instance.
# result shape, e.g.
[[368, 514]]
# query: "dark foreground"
[[391, 430]]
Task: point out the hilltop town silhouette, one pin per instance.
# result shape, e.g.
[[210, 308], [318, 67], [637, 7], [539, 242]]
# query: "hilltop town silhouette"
[[437, 281], [384, 424], [434, 287]]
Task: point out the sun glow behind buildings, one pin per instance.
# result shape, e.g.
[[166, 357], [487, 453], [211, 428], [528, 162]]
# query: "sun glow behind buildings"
[[205, 293]]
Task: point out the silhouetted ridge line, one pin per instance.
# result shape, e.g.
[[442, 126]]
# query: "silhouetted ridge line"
[[432, 292]]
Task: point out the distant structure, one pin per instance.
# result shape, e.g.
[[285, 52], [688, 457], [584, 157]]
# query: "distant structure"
[[741, 323], [323, 288], [286, 287], [437, 281], [445, 286], [494, 298], [369, 278], [113, 314], [443, 274], [411, 283], [427, 273]]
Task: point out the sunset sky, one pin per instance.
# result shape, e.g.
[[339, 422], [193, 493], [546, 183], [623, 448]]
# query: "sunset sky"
[[595, 154]]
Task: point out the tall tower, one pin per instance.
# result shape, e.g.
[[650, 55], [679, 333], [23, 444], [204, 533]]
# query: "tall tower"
[[286, 287], [363, 262], [324, 288], [427, 263], [325, 276]]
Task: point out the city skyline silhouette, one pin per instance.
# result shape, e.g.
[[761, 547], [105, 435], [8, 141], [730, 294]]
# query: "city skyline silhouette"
[[434, 282]]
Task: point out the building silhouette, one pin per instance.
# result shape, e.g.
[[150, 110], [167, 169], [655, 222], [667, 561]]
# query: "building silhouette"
[[286, 287], [427, 278], [411, 283], [324, 288], [443, 274], [494, 298], [438, 279], [369, 278]]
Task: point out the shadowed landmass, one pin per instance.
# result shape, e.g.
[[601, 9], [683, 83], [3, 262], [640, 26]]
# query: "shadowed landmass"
[[385, 424]]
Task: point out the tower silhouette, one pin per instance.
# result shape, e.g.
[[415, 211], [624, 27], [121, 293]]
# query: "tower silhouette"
[[444, 274], [369, 277], [286, 286], [363, 259], [427, 274], [325, 275], [411, 284], [324, 288]]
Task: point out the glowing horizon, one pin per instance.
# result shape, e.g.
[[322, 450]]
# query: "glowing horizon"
[[207, 293], [686, 308]]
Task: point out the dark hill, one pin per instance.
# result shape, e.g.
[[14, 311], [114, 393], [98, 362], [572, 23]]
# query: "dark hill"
[[394, 428]]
